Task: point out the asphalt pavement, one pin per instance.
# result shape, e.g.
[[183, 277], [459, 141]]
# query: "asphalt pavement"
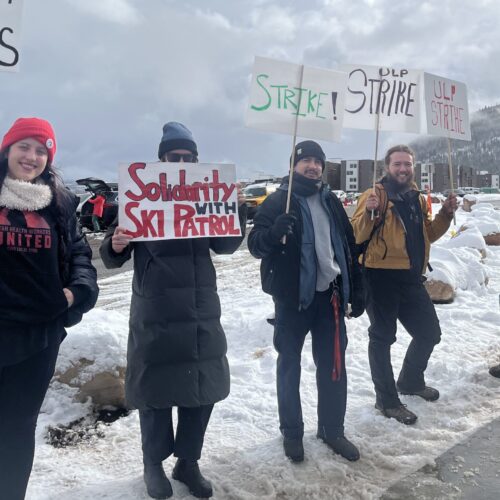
[[469, 470]]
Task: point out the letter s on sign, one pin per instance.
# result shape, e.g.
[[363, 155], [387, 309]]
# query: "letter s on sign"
[[7, 46]]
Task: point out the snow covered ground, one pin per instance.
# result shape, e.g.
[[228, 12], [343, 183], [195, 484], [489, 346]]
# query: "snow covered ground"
[[243, 453]]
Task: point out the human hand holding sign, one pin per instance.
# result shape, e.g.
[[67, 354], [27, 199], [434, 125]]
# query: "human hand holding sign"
[[283, 225], [450, 204], [372, 202], [241, 196], [120, 239]]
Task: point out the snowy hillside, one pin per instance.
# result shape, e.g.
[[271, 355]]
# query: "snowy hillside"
[[482, 153]]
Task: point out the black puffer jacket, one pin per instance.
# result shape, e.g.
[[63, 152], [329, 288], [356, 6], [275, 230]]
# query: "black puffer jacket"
[[78, 273], [74, 270], [280, 266], [33, 309], [177, 347]]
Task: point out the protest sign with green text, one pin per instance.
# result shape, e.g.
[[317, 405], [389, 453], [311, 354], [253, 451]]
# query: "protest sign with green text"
[[287, 97]]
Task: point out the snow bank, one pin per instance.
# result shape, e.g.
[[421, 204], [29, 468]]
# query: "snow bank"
[[100, 338], [457, 266]]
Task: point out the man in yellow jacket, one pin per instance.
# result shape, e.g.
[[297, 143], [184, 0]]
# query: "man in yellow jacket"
[[396, 244]]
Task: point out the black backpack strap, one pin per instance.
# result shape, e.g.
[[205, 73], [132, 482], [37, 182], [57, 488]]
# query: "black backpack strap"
[[376, 228]]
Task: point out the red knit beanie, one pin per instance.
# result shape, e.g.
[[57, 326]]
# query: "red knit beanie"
[[36, 128]]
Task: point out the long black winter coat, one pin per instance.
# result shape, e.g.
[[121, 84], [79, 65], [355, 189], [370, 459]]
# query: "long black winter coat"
[[280, 266], [177, 347]]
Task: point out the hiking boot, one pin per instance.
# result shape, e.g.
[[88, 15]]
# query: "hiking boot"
[[342, 446], [400, 413], [495, 371], [294, 449], [188, 472], [427, 393], [157, 484]]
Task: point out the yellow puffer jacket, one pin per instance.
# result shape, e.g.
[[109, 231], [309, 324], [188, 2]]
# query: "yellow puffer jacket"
[[387, 248]]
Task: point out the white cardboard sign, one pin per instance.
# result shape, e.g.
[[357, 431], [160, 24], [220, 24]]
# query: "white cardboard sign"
[[278, 99], [10, 34], [159, 201], [446, 107], [393, 92]]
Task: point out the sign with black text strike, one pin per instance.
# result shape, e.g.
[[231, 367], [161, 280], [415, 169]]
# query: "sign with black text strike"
[[285, 97], [161, 201], [393, 93], [10, 34], [446, 108]]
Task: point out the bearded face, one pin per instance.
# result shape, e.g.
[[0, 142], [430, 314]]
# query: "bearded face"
[[400, 169]]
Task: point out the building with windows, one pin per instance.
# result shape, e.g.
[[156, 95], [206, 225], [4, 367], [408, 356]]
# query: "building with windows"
[[356, 176]]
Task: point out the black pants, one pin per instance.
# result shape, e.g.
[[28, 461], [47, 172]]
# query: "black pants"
[[290, 330], [157, 433], [392, 295], [22, 389]]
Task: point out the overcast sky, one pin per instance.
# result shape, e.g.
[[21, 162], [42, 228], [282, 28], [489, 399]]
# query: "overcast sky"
[[109, 73]]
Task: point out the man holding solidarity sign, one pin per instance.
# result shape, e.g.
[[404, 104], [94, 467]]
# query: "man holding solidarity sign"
[[177, 347], [396, 252], [312, 278]]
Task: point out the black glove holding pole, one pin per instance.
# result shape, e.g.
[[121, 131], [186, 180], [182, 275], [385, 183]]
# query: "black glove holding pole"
[[283, 225]]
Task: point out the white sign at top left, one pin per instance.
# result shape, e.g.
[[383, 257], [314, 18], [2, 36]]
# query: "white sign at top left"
[[284, 95], [10, 34]]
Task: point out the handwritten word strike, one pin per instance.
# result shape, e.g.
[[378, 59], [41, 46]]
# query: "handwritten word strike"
[[299, 101], [197, 191], [445, 114], [382, 95]]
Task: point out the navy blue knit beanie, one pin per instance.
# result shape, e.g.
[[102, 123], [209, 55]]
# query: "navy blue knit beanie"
[[176, 136]]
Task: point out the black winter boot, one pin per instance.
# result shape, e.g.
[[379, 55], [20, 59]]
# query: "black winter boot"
[[157, 484], [427, 393], [294, 449], [495, 371], [188, 472], [341, 446], [400, 413]]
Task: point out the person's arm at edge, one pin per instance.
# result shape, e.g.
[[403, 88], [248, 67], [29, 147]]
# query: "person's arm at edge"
[[110, 258]]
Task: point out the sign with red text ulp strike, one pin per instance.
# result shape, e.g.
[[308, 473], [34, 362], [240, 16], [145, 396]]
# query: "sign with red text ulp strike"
[[287, 97], [392, 93], [10, 34], [446, 108], [160, 201]]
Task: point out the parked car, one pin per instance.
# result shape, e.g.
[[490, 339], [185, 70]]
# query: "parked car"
[[83, 197], [255, 194], [469, 190], [341, 195], [97, 186], [458, 192]]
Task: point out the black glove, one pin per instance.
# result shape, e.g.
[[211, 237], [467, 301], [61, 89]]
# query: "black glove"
[[357, 305], [283, 225]]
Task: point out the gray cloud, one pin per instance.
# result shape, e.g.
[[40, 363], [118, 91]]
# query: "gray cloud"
[[109, 73]]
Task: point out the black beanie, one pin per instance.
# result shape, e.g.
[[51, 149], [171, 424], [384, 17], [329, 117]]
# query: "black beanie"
[[176, 136], [305, 149]]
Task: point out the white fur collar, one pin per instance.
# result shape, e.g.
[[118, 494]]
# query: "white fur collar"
[[23, 195]]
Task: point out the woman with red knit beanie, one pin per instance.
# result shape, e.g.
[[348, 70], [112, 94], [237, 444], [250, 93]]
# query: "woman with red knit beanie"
[[47, 282]]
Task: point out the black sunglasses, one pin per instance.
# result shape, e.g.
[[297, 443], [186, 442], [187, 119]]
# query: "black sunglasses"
[[185, 157]]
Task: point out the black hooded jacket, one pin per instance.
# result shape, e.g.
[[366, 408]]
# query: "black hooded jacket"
[[280, 266]]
